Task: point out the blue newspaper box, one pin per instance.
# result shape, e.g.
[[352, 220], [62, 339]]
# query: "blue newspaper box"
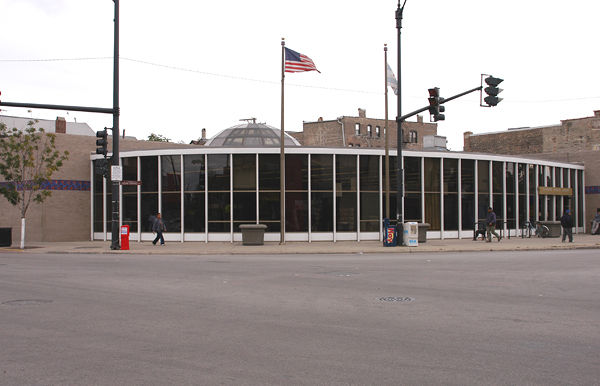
[[390, 236]]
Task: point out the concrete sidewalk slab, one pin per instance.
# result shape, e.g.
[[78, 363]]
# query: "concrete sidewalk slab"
[[582, 241]]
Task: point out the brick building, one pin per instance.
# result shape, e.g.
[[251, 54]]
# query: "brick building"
[[361, 131], [573, 140], [66, 214]]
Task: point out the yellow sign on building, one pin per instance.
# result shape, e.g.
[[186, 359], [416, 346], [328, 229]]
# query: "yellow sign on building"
[[553, 191]]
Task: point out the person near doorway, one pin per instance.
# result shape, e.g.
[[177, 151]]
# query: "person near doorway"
[[159, 227], [596, 223], [490, 225], [566, 221]]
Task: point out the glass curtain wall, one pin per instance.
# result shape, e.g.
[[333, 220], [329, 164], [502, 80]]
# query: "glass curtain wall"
[[321, 174], [296, 193], [98, 197], [193, 193], [149, 199], [483, 189], [129, 196], [497, 188], [244, 190], [369, 193], [170, 166], [393, 186], [467, 181], [218, 171], [412, 190], [450, 194], [346, 210], [510, 196], [432, 193], [268, 191]]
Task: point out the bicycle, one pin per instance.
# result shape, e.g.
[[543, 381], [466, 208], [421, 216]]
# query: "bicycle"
[[527, 229], [541, 230]]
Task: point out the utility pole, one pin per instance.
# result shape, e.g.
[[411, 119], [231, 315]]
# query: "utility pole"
[[400, 172], [115, 160]]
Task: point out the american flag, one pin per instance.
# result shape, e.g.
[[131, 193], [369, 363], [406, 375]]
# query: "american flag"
[[296, 62]]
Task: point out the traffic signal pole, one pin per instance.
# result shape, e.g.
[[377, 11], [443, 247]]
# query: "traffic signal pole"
[[115, 159], [400, 171]]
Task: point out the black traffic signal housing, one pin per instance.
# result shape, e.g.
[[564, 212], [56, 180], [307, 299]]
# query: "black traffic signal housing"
[[435, 105], [102, 142], [492, 90]]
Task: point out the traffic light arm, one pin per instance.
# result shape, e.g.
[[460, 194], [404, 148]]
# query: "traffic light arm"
[[406, 116], [59, 107]]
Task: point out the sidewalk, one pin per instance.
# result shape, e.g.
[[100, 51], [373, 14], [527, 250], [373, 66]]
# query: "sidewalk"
[[581, 241]]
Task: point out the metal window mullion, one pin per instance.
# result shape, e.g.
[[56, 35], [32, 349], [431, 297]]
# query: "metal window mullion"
[[476, 189], [504, 200], [380, 198], [554, 197], [358, 198], [139, 200], [537, 193], [334, 201], [442, 199], [104, 208], [422, 188], [459, 197], [491, 184], [527, 204], [309, 198], [159, 184], [181, 189], [582, 202], [256, 190], [231, 196], [93, 204], [205, 198]]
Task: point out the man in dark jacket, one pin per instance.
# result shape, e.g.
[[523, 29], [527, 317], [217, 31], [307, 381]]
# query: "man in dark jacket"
[[567, 225], [159, 227], [490, 225]]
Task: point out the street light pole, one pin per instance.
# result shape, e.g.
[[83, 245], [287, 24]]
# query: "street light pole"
[[400, 173]]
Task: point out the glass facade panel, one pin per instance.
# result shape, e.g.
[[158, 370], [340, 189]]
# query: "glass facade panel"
[[129, 205], [450, 194], [98, 197], [346, 210], [432, 193], [149, 199], [268, 172], [296, 172], [194, 173], [510, 196], [581, 216], [269, 211], [393, 186], [369, 193], [244, 172], [219, 212], [244, 208], [296, 211], [322, 211], [218, 171], [321, 172], [171, 192], [468, 193], [194, 212]]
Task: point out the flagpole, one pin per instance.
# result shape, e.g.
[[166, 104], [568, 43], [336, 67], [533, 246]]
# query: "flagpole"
[[387, 144], [282, 150]]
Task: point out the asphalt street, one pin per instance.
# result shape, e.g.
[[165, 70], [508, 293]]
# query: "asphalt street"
[[345, 319]]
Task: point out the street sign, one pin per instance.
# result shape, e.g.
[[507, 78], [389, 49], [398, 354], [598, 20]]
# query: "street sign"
[[116, 173], [131, 183]]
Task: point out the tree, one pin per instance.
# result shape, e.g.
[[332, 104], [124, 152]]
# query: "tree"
[[28, 158], [158, 138]]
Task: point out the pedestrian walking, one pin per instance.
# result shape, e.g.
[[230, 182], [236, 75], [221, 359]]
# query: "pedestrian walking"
[[596, 224], [159, 227], [490, 225], [566, 221]]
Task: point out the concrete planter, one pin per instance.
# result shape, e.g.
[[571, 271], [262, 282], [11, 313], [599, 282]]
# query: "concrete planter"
[[253, 234], [553, 226], [423, 228]]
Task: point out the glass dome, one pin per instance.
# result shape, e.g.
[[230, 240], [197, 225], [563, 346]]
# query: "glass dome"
[[251, 134]]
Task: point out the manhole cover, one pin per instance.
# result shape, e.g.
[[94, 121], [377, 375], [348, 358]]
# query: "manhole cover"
[[401, 299], [26, 302]]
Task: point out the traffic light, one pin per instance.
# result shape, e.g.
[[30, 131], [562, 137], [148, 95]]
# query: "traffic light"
[[492, 91], [102, 142], [435, 105]]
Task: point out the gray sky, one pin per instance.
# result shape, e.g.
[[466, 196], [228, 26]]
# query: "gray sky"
[[188, 65]]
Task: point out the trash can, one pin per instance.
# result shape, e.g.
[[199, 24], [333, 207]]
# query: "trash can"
[[423, 228], [253, 234], [389, 234], [5, 237], [410, 234]]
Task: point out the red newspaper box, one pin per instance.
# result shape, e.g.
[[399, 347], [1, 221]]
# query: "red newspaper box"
[[124, 237]]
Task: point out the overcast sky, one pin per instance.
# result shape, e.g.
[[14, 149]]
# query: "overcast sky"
[[188, 65]]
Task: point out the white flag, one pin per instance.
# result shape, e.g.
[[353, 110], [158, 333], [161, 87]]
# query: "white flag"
[[391, 79]]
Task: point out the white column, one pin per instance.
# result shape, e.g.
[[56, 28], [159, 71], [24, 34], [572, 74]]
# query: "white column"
[[459, 198], [182, 184]]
